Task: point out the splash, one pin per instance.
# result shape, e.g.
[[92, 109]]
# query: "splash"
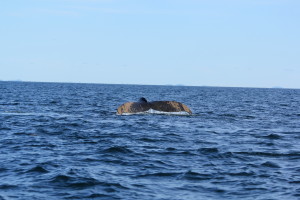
[[152, 111]]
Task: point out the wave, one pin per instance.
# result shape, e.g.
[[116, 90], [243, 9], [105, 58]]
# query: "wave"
[[38, 114], [152, 111], [195, 176], [38, 169], [270, 164], [208, 150], [82, 182], [117, 149], [159, 174], [270, 154], [77, 182], [7, 186]]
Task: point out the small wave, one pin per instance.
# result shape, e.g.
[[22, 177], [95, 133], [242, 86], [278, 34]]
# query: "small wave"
[[90, 160], [250, 173], [173, 151], [215, 153], [255, 188], [38, 114], [270, 164], [159, 174], [228, 115], [270, 154], [294, 182], [208, 150], [249, 117], [150, 140], [284, 105], [77, 182], [95, 195], [53, 102], [5, 129], [16, 113], [99, 195], [151, 111], [3, 170], [188, 175], [38, 169], [117, 149], [194, 176], [60, 178], [7, 186], [22, 133], [273, 136]]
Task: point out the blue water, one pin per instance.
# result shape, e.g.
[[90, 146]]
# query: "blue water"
[[65, 141]]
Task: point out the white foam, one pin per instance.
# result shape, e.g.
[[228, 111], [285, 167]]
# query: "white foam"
[[152, 111]]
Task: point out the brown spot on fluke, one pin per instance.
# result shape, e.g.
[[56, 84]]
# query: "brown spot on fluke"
[[142, 105]]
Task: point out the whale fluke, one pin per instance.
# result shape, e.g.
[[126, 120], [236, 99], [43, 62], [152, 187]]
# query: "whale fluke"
[[143, 105]]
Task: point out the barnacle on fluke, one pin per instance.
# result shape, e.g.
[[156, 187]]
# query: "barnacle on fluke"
[[160, 106]]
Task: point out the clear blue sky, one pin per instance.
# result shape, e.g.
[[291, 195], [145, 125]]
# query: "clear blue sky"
[[247, 43]]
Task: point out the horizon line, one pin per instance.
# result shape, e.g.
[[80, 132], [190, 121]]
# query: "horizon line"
[[171, 85]]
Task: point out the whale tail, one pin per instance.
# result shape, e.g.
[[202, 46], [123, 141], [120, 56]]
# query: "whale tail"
[[133, 107], [143, 105], [142, 99], [169, 106]]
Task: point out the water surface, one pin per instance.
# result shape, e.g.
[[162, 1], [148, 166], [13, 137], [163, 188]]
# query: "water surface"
[[65, 141]]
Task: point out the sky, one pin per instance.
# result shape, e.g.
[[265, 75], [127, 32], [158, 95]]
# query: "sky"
[[230, 43]]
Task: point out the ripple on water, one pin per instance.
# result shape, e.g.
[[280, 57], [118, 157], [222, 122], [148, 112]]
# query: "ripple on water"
[[7, 186], [208, 150], [158, 175], [270, 164], [117, 150], [79, 183], [74, 182], [195, 176], [271, 154], [37, 169], [242, 173], [271, 136]]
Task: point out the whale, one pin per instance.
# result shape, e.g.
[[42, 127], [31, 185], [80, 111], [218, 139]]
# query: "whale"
[[159, 106]]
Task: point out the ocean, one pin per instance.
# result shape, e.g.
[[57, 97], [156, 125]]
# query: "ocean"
[[65, 141]]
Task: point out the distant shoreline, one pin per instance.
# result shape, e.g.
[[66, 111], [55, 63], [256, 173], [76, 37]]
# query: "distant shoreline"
[[166, 85]]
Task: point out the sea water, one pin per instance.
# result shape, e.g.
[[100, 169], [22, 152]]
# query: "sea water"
[[65, 141]]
